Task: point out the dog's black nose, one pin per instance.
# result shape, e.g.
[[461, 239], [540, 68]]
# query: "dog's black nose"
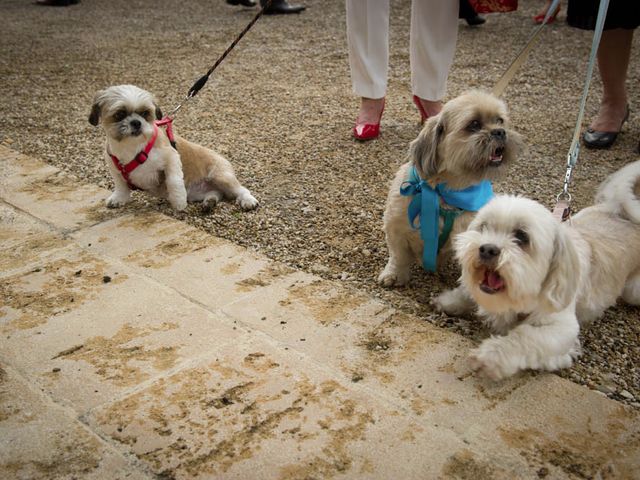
[[489, 251], [135, 124], [499, 133]]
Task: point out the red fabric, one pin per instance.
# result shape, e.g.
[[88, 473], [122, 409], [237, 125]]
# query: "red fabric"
[[168, 121], [126, 170], [494, 6]]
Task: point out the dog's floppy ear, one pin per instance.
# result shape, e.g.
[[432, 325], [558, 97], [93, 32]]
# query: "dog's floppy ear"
[[159, 114], [96, 108], [423, 151], [560, 286]]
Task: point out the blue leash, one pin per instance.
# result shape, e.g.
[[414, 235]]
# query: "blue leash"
[[426, 205], [574, 149]]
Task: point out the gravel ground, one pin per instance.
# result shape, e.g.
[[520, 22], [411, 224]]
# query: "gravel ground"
[[281, 108]]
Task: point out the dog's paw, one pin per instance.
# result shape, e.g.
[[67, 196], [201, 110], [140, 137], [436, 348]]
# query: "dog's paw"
[[558, 362], [485, 366], [180, 205], [208, 205], [247, 201], [178, 202], [489, 361], [453, 303], [116, 201], [389, 278]]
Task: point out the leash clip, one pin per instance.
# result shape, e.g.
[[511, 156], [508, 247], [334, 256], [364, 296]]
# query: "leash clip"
[[562, 210], [567, 179]]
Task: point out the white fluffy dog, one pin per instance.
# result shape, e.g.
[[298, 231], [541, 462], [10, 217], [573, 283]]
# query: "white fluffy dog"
[[536, 280], [190, 173], [468, 142]]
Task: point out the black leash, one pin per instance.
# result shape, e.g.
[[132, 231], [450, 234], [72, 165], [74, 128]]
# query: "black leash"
[[195, 88]]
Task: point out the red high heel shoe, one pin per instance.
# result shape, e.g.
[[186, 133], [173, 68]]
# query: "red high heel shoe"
[[538, 19], [423, 113], [424, 116], [368, 131]]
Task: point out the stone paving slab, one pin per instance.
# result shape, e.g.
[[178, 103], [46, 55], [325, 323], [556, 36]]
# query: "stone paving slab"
[[49, 195], [90, 340], [39, 440], [207, 269], [24, 240], [190, 357], [375, 346], [258, 412], [18, 170], [560, 428]]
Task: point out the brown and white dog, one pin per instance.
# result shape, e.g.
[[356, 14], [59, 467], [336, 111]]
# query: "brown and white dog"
[[191, 173], [467, 142]]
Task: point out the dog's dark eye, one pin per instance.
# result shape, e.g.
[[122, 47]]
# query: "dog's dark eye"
[[120, 115], [521, 237], [145, 114], [500, 120], [474, 125]]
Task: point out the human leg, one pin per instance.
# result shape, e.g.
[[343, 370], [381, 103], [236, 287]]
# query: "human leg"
[[613, 61], [368, 42], [434, 31]]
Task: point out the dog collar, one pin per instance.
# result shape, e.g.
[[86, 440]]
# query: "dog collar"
[[426, 205]]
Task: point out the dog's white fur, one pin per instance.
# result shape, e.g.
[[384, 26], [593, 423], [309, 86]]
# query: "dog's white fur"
[[457, 147], [192, 173], [565, 275]]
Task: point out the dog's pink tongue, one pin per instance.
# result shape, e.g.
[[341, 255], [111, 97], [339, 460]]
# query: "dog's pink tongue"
[[494, 280]]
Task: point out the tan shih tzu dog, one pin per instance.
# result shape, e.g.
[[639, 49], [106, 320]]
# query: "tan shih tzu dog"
[[537, 280], [140, 155], [464, 147]]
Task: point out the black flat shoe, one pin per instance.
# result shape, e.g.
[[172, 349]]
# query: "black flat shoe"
[[279, 7], [57, 3], [597, 139], [244, 3], [475, 20]]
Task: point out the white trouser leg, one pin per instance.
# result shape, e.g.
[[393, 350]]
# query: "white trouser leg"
[[368, 41], [434, 31]]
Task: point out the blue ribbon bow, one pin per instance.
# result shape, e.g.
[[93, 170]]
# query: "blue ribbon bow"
[[426, 205]]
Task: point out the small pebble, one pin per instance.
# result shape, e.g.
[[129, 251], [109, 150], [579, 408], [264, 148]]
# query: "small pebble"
[[543, 472], [604, 389], [626, 395], [106, 279]]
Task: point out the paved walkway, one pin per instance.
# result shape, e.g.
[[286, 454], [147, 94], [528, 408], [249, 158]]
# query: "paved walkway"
[[135, 346]]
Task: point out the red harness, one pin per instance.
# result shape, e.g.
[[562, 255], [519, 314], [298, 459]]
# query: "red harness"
[[125, 170]]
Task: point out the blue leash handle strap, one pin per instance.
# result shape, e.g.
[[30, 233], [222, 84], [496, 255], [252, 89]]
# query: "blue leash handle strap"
[[426, 205]]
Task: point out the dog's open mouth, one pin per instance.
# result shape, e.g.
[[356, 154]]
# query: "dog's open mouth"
[[496, 157], [492, 282]]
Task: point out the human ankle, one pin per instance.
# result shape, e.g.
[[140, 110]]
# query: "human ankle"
[[432, 107], [370, 110]]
